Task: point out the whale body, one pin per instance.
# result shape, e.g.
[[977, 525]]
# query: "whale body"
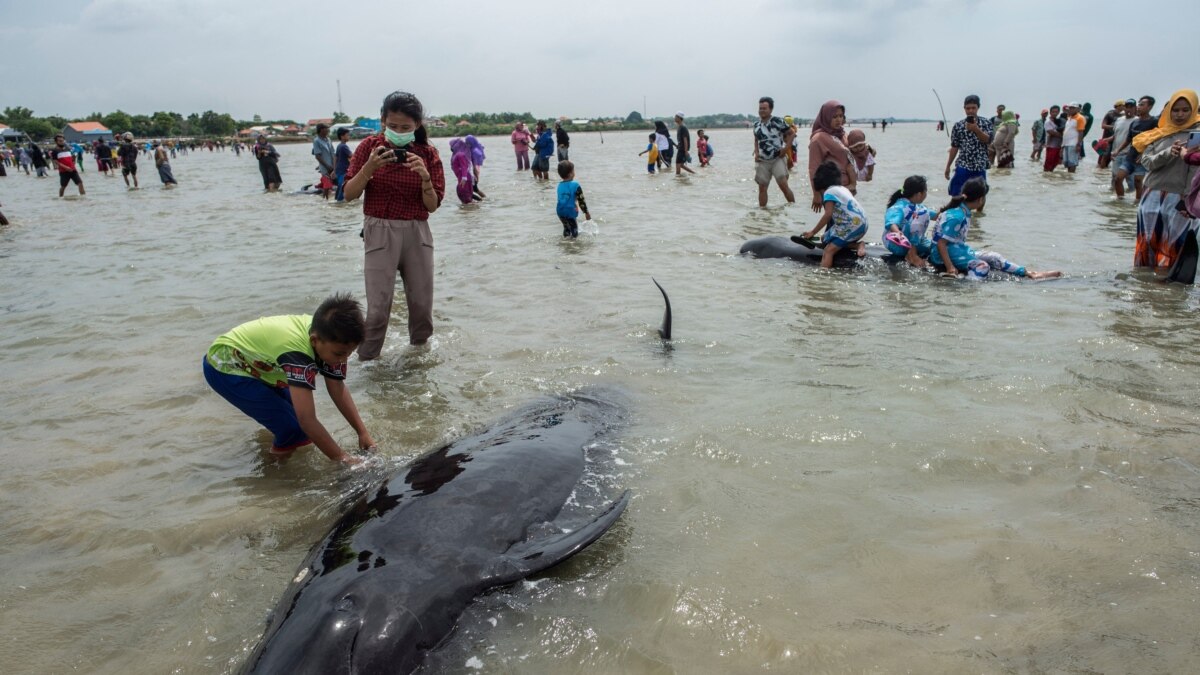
[[782, 247], [388, 583]]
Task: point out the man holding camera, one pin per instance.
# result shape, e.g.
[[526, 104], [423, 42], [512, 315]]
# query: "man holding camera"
[[969, 141]]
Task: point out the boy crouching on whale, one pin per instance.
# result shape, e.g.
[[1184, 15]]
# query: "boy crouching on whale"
[[268, 369]]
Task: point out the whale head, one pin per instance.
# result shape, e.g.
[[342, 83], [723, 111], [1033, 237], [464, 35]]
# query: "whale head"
[[375, 623]]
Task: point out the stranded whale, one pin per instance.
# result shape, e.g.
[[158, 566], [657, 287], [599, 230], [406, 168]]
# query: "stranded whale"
[[782, 247], [389, 581]]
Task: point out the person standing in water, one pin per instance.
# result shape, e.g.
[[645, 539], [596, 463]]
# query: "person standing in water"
[[1127, 155], [322, 150], [827, 143], [38, 157], [520, 141], [564, 142], [128, 152], [570, 200], [1039, 136], [543, 148], [1163, 221], [969, 141], [400, 177], [477, 158], [64, 160], [683, 145], [268, 164], [162, 161], [1072, 137], [771, 136], [342, 163]]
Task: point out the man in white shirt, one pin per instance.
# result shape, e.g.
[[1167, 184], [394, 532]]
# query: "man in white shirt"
[[1072, 140]]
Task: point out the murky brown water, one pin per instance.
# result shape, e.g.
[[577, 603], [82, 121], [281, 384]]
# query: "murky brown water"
[[847, 471]]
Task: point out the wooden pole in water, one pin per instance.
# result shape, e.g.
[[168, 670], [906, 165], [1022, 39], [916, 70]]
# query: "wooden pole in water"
[[945, 124]]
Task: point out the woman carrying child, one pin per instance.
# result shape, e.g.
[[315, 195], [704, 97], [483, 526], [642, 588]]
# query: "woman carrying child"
[[950, 240], [842, 215], [906, 221], [827, 143]]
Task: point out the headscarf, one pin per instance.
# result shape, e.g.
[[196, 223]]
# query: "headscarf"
[[457, 145], [1009, 117], [477, 155], [824, 121], [1165, 126], [855, 138]]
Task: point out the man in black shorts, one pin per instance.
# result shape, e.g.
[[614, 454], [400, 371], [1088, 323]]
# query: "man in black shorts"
[[64, 160], [128, 152], [683, 146]]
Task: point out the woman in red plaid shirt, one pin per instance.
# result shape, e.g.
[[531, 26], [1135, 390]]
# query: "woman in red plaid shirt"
[[400, 177]]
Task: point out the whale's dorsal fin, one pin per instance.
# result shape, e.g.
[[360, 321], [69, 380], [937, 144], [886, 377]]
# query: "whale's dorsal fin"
[[665, 331], [1184, 269], [530, 557]]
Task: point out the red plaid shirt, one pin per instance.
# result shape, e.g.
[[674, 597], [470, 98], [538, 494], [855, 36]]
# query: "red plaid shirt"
[[394, 191]]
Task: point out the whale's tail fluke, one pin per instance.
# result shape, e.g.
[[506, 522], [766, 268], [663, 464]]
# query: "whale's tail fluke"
[[665, 331], [1184, 269]]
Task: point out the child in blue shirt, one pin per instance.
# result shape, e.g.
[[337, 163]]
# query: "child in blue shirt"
[[569, 193], [845, 218], [906, 220], [950, 240], [652, 158]]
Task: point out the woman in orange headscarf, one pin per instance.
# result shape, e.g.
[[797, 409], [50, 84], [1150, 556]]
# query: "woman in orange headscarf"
[[1162, 226]]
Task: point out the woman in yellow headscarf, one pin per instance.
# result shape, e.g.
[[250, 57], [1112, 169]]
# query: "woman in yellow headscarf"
[[1162, 227]]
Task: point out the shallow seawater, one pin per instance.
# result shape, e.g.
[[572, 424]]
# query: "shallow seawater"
[[869, 470]]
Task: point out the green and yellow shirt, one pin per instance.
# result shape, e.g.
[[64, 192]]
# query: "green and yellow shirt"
[[275, 350]]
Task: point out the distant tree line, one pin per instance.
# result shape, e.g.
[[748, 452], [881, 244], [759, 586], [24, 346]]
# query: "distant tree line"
[[164, 124], [159, 124]]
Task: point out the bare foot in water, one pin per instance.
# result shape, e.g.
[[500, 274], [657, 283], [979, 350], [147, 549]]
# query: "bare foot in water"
[[1036, 276], [862, 248]]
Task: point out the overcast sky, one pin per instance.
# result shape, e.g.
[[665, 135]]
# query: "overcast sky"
[[281, 58]]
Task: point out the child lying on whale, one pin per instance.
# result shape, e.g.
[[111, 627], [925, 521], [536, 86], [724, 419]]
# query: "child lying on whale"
[[845, 218], [950, 240], [268, 369], [906, 220]]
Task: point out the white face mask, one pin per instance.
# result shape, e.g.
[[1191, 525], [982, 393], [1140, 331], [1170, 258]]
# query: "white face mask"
[[399, 140]]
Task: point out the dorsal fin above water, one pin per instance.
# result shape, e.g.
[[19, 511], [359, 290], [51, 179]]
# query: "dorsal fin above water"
[[665, 331]]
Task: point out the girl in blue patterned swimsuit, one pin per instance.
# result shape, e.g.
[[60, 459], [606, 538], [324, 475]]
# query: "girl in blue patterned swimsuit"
[[845, 218], [950, 240], [906, 220]]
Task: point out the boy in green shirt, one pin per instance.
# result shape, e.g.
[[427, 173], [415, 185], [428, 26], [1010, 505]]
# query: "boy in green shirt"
[[268, 369]]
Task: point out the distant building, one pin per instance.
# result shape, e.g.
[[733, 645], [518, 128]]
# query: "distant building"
[[293, 130], [320, 120], [463, 123], [580, 122], [86, 132], [8, 133], [370, 123], [437, 122]]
